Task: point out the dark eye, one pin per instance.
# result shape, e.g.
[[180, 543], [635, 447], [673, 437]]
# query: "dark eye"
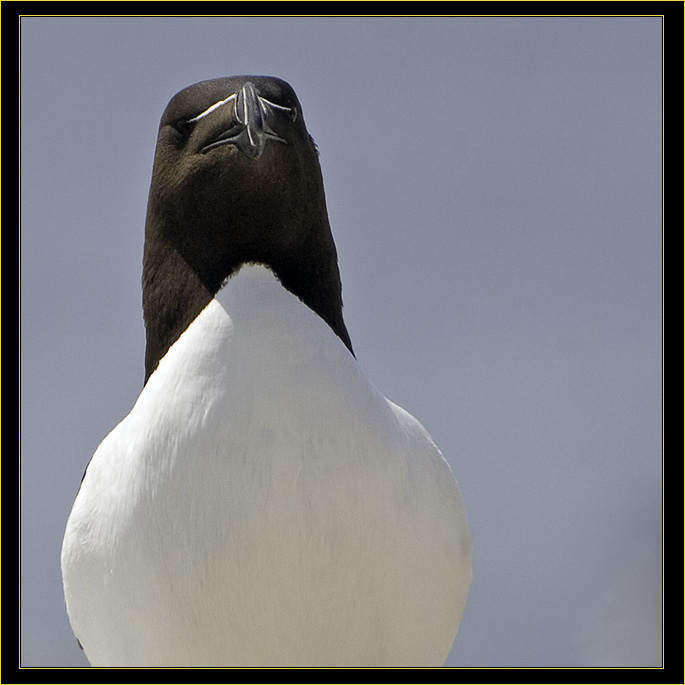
[[184, 126]]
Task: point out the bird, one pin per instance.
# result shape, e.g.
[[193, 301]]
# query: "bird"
[[262, 504]]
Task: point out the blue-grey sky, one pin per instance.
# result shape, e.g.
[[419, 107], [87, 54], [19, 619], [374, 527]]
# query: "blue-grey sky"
[[494, 189]]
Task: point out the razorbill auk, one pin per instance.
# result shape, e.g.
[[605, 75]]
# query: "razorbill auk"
[[262, 505]]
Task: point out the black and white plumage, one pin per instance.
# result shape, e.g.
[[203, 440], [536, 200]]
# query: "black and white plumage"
[[262, 505]]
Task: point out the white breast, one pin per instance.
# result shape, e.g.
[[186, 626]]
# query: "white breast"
[[262, 505]]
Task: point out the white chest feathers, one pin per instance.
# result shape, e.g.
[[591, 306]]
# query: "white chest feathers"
[[263, 506]]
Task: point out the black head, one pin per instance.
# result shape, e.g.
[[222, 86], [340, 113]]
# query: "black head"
[[236, 180]]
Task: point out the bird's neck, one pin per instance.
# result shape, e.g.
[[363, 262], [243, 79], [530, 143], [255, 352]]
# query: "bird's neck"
[[178, 284]]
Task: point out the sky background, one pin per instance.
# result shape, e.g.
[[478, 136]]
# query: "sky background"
[[494, 189]]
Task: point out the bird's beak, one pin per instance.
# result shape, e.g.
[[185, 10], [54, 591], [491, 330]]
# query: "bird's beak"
[[250, 130]]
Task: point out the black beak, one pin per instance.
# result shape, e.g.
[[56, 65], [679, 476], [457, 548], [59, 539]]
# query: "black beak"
[[250, 130]]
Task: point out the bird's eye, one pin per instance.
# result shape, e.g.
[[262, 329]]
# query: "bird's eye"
[[184, 126]]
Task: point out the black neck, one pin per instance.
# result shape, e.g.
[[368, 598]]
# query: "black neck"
[[180, 277]]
